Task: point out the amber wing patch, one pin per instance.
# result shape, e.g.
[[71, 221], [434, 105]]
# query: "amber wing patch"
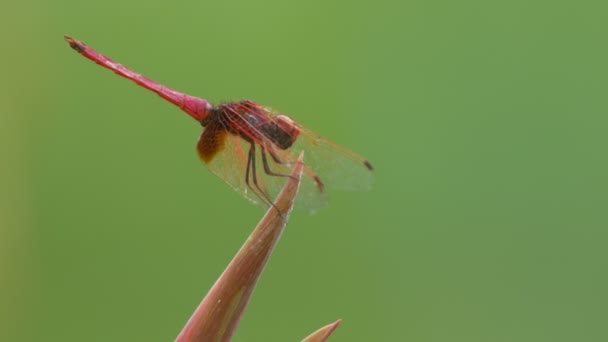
[[211, 142]]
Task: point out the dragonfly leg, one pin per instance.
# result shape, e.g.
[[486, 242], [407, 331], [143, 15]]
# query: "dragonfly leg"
[[247, 171], [267, 167], [251, 170], [276, 157], [251, 174], [307, 170]]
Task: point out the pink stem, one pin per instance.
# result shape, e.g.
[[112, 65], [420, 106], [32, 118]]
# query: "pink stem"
[[216, 317], [195, 107]]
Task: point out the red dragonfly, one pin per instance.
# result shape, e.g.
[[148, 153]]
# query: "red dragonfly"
[[253, 147]]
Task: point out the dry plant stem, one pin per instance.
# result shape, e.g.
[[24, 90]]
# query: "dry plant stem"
[[322, 334], [218, 314]]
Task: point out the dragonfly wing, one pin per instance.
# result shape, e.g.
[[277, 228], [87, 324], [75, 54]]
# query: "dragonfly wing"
[[227, 156], [254, 149], [336, 166], [311, 194]]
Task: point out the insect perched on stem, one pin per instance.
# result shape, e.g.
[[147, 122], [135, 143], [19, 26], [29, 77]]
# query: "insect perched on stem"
[[253, 147]]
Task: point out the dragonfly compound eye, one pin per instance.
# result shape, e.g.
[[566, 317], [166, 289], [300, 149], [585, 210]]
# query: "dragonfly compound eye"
[[288, 125]]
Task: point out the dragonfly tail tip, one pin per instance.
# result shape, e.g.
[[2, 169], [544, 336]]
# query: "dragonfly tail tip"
[[74, 44]]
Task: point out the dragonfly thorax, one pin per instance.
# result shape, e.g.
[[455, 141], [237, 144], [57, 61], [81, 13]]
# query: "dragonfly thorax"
[[282, 130], [255, 123]]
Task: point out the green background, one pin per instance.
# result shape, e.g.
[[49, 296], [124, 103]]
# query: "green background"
[[486, 122]]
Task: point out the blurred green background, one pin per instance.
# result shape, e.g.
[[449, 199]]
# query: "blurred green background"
[[486, 122]]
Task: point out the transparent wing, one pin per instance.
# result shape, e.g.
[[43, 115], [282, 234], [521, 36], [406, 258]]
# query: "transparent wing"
[[336, 166], [258, 168], [228, 161], [264, 179]]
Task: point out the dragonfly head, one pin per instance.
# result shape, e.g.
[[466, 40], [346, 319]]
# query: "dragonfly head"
[[287, 132]]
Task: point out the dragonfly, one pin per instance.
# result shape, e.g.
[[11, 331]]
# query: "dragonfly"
[[253, 147]]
